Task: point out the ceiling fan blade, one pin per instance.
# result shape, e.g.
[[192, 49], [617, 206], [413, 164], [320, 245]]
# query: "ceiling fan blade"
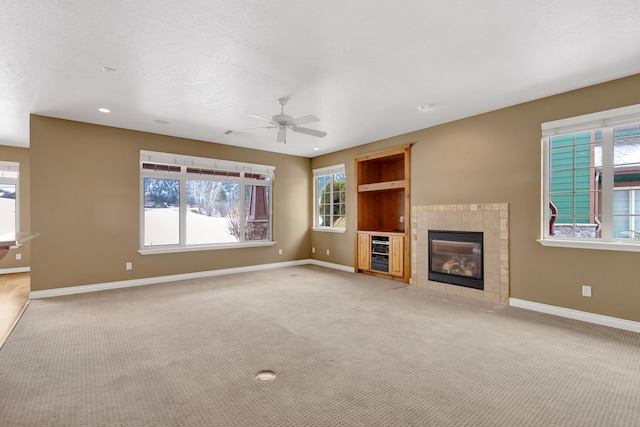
[[262, 118], [308, 131], [305, 120], [236, 131], [282, 136]]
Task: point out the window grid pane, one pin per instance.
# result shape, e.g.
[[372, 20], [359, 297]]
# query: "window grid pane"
[[211, 206], [573, 189], [626, 150], [339, 200], [257, 225], [331, 200], [161, 211], [626, 156]]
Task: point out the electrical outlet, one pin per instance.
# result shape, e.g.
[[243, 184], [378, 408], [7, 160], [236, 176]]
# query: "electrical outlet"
[[313, 250], [586, 291], [129, 266], [328, 252], [279, 251], [18, 257]]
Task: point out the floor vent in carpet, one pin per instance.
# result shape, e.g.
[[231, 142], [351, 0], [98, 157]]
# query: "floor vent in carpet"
[[265, 376]]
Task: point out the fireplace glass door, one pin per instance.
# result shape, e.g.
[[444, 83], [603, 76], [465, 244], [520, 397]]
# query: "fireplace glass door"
[[455, 257]]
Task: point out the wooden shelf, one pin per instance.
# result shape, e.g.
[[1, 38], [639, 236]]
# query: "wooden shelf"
[[383, 232], [383, 186]]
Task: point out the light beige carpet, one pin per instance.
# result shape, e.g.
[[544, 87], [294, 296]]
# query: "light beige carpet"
[[348, 350]]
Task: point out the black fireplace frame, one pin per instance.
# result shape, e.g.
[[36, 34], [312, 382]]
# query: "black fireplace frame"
[[454, 279]]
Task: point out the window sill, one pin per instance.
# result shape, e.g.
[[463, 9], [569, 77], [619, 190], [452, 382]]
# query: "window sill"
[[329, 229], [193, 248], [591, 244]]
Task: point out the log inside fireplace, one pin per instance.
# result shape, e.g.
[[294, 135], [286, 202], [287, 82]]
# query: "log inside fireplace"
[[456, 257]]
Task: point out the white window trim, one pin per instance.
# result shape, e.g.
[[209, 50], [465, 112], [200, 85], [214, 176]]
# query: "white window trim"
[[167, 249], [329, 229], [13, 167], [206, 163], [329, 170], [604, 120], [590, 244]]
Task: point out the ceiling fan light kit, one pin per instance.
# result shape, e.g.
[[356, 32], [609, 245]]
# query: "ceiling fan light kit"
[[283, 122]]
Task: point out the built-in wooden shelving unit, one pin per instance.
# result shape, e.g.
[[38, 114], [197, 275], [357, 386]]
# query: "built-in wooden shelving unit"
[[383, 208]]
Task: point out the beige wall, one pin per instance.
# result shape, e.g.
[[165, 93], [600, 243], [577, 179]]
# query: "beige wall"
[[85, 182], [495, 157], [85, 201], [20, 155]]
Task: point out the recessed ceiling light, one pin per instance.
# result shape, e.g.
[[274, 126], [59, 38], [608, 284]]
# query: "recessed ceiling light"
[[161, 122], [316, 149], [104, 110], [423, 107]]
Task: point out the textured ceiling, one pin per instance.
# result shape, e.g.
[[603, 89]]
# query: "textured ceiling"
[[361, 66]]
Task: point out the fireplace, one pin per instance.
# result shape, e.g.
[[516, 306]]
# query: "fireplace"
[[492, 219], [456, 257]]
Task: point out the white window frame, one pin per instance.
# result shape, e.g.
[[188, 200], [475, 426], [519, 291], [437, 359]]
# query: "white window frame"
[[605, 121], [317, 174], [183, 161], [6, 178]]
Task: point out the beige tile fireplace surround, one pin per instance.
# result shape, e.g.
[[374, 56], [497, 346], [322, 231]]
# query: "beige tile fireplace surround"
[[492, 219]]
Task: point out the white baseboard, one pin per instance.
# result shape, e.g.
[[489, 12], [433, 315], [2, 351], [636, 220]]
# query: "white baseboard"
[[340, 267], [15, 270], [614, 322], [48, 293]]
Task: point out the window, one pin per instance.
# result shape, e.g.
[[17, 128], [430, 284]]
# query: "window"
[[330, 199], [193, 203], [9, 219], [592, 180]]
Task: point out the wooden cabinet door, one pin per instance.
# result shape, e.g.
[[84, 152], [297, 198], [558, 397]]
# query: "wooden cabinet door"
[[396, 256], [364, 252]]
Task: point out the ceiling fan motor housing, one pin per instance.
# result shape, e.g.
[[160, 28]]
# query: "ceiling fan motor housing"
[[282, 119]]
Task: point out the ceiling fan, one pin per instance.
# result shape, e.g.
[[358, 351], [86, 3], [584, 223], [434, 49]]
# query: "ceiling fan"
[[283, 122]]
